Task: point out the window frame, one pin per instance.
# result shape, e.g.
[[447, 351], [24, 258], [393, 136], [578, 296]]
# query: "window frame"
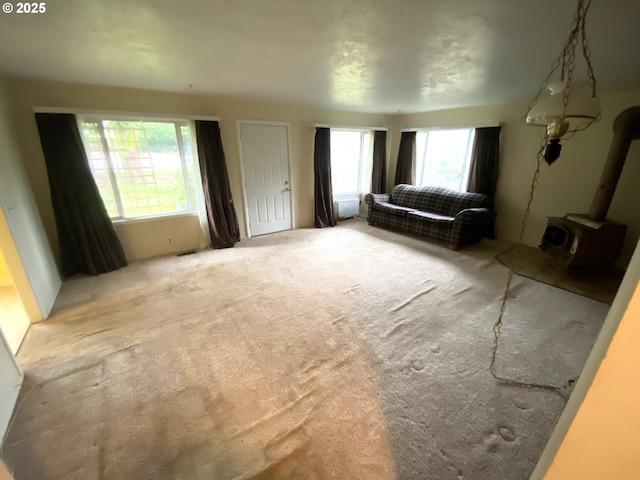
[[362, 161], [178, 122], [467, 159]]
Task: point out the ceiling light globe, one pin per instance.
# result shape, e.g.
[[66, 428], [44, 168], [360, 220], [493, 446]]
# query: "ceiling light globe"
[[582, 110]]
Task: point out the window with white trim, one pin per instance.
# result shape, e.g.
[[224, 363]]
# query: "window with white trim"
[[351, 161], [443, 157], [142, 168]]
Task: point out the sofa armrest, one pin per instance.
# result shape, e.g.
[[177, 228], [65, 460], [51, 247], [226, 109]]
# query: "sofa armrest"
[[472, 215], [471, 225], [371, 198]]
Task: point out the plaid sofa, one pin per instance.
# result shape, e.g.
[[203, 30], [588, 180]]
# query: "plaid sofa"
[[440, 214]]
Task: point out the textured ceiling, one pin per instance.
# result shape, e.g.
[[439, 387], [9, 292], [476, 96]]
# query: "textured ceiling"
[[362, 55]]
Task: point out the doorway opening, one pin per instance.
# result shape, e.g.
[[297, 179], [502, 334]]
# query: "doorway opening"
[[14, 320]]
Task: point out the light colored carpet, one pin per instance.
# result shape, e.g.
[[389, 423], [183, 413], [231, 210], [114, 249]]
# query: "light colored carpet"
[[344, 353]]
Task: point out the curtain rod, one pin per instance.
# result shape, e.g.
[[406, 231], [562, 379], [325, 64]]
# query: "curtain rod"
[[121, 113], [499, 124], [348, 127]]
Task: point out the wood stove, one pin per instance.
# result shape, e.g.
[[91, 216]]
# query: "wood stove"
[[581, 244], [586, 243]]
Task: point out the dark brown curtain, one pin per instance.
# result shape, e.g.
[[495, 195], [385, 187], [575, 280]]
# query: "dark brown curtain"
[[221, 214], [88, 242], [406, 166], [483, 172], [323, 191], [379, 174]]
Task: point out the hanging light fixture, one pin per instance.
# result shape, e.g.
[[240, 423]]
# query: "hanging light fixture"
[[563, 105], [567, 107]]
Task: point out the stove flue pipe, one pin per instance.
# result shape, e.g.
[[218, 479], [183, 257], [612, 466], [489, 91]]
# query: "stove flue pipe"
[[626, 128]]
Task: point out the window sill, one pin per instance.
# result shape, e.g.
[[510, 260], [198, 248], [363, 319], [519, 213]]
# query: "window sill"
[[153, 218], [342, 196]]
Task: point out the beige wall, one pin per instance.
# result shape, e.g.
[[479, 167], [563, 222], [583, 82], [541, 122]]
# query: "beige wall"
[[565, 187], [18, 274], [150, 239], [22, 238], [5, 276], [4, 472]]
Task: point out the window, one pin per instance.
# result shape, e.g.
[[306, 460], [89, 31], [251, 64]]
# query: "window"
[[351, 162], [443, 157], [142, 168]]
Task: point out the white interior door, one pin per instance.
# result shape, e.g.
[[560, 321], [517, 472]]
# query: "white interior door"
[[265, 159]]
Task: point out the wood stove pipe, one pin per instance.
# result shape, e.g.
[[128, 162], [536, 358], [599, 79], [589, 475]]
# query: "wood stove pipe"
[[626, 128]]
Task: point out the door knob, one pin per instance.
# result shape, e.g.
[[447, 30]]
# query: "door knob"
[[287, 189]]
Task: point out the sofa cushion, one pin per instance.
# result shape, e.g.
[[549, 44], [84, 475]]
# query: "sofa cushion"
[[438, 200], [392, 209], [431, 217]]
